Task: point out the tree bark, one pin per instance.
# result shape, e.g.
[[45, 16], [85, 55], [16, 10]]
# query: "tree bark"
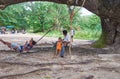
[[109, 12], [89, 4]]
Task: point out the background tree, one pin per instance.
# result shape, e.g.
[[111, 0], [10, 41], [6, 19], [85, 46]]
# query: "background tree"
[[41, 16]]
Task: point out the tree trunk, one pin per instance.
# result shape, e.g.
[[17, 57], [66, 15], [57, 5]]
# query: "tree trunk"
[[108, 31], [109, 11]]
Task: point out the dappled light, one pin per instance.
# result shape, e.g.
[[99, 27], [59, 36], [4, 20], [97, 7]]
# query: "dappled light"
[[59, 39], [37, 17]]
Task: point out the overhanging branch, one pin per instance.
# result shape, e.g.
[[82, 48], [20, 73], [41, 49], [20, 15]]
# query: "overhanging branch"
[[89, 4]]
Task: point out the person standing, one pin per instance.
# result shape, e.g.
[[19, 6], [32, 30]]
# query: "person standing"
[[72, 33], [58, 46]]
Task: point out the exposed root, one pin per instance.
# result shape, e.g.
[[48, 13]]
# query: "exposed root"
[[32, 71]]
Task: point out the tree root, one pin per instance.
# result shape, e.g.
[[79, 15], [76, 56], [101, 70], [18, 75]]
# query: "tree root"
[[21, 74], [48, 64]]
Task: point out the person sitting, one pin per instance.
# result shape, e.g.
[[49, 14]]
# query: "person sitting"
[[66, 41], [13, 31], [58, 46], [20, 48]]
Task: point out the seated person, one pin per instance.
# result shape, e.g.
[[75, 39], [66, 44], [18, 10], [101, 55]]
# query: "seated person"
[[19, 48], [66, 41]]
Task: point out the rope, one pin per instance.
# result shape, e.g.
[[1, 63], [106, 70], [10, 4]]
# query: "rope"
[[81, 6], [72, 14], [44, 35]]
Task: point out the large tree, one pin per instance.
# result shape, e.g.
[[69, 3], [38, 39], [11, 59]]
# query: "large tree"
[[107, 10]]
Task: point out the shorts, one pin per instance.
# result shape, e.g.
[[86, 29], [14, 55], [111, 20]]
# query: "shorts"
[[15, 45]]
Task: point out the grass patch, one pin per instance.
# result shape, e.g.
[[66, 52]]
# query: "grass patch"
[[99, 43], [51, 34], [85, 34]]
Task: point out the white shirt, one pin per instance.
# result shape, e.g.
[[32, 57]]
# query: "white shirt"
[[67, 38], [72, 32]]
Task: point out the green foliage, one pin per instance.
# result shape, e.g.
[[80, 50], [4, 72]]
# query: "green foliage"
[[87, 34], [101, 43], [90, 27], [39, 17], [54, 33]]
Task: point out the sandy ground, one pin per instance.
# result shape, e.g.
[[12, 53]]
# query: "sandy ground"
[[84, 63]]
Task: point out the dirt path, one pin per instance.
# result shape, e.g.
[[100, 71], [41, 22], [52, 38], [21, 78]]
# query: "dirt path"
[[85, 62]]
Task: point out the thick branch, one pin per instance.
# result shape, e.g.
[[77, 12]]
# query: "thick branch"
[[91, 5]]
